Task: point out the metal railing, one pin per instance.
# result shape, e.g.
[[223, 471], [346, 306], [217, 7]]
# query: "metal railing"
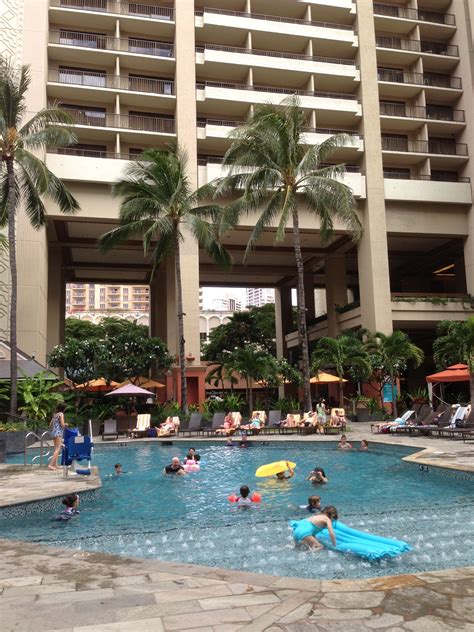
[[201, 85], [92, 153], [424, 146], [122, 121], [309, 130], [134, 9], [271, 53], [433, 80], [92, 79], [417, 46], [436, 17], [43, 439], [433, 113], [401, 175], [94, 41], [217, 160], [273, 18]]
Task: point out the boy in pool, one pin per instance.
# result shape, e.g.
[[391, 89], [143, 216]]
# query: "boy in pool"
[[281, 476], [71, 504], [305, 531], [314, 504], [118, 469], [244, 499], [192, 455]]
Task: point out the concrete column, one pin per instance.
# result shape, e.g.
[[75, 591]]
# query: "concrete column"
[[336, 289], [374, 280], [56, 298], [283, 320], [187, 138], [163, 313]]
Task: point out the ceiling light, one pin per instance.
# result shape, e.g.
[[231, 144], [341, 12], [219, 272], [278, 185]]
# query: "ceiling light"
[[444, 269]]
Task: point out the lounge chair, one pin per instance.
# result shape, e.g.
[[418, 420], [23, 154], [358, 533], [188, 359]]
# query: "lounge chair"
[[110, 429], [254, 430], [169, 428], [142, 427], [335, 422], [465, 425], [217, 422], [307, 429], [392, 425], [293, 429], [274, 421], [194, 425]]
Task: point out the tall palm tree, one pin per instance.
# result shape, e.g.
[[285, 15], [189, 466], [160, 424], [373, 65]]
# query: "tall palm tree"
[[455, 343], [277, 174], [25, 179], [396, 351], [251, 364], [159, 204], [343, 353]]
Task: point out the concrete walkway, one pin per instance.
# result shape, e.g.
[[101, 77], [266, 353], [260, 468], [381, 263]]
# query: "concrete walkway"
[[43, 588]]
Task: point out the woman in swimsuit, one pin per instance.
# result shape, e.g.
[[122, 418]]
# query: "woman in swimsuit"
[[57, 426], [305, 531]]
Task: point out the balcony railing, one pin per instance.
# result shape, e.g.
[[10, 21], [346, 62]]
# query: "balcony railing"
[[414, 14], [417, 46], [431, 113], [273, 18], [134, 9], [91, 153], [309, 130], [201, 85], [417, 78], [424, 146], [401, 175], [105, 42], [115, 82], [272, 53], [217, 160], [122, 121]]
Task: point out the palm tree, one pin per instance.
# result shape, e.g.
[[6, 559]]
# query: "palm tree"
[[251, 364], [455, 343], [159, 204], [396, 351], [280, 174], [25, 179], [343, 353]]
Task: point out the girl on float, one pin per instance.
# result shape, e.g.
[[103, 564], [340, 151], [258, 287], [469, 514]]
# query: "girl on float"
[[306, 530]]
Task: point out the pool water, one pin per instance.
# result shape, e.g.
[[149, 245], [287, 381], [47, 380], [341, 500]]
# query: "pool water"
[[189, 519]]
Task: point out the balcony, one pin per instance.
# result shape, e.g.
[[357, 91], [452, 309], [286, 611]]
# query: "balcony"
[[63, 42], [437, 56], [417, 46], [234, 99], [401, 83], [404, 187], [90, 118], [448, 148], [338, 37], [405, 13], [407, 117], [90, 80]]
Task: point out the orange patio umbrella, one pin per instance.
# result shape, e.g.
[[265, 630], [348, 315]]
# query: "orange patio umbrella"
[[325, 378], [143, 382], [454, 373], [98, 385]]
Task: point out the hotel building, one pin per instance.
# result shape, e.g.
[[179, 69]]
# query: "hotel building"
[[396, 76]]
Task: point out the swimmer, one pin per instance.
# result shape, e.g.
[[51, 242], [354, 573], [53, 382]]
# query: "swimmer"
[[344, 443], [174, 467], [314, 504], [243, 440], [317, 476], [364, 445], [71, 504], [281, 476], [192, 455], [244, 499], [305, 531], [118, 469]]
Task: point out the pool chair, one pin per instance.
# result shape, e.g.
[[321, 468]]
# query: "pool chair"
[[274, 421], [254, 430], [461, 423], [143, 424], [217, 422], [291, 424], [77, 449], [110, 429], [169, 428], [337, 421], [194, 425], [390, 426]]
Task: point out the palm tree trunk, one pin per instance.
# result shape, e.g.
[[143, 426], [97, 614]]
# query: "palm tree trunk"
[[302, 329], [14, 284], [250, 392], [341, 392], [182, 349], [394, 397], [471, 384]]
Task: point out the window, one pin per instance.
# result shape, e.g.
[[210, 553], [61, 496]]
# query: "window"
[[390, 74], [144, 83], [436, 79], [444, 176], [439, 112], [392, 108], [125, 305], [83, 77], [151, 122], [395, 142], [149, 47], [396, 173], [102, 306], [442, 146]]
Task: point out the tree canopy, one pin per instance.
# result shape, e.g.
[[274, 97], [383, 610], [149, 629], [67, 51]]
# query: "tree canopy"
[[114, 349]]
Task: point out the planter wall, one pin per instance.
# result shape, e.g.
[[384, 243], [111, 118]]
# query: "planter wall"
[[362, 414]]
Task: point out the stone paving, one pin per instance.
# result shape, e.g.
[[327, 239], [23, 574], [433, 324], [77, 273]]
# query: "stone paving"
[[44, 588]]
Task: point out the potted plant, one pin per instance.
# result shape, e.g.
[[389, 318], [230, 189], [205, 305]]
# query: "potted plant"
[[362, 408]]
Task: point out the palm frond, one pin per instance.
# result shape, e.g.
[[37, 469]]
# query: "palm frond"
[[43, 120]]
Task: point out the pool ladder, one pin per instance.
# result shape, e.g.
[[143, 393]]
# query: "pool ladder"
[[43, 439]]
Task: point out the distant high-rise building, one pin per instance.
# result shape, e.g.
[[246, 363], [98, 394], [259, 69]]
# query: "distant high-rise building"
[[226, 304], [258, 296], [107, 299]]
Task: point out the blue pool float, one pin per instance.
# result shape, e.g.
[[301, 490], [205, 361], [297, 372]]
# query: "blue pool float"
[[370, 547]]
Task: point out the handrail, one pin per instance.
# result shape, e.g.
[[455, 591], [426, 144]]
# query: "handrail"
[[433, 80], [217, 160], [309, 130], [420, 111], [417, 46], [400, 175], [391, 10], [272, 18], [91, 153], [42, 439], [91, 79], [201, 85], [83, 39], [424, 146], [122, 121], [135, 9], [270, 53]]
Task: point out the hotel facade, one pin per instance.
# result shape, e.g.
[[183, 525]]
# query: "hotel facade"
[[395, 76]]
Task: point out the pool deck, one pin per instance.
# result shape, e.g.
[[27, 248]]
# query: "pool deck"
[[44, 588]]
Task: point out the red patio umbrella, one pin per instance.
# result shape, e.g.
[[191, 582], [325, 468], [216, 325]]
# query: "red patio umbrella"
[[454, 373]]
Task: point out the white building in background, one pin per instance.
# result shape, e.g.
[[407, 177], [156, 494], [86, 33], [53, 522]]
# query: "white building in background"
[[258, 296], [226, 304]]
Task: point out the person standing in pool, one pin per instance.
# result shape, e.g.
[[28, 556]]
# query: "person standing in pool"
[[314, 504], [317, 476], [192, 455], [174, 467], [344, 443], [281, 476], [306, 530]]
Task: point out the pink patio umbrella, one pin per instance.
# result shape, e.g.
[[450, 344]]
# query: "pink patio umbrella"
[[129, 390]]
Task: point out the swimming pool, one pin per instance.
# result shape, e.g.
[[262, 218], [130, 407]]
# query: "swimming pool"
[[189, 519]]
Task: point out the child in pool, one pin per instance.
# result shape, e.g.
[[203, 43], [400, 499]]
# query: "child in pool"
[[314, 504], [118, 469], [364, 445], [317, 476], [305, 531], [71, 504], [344, 443], [281, 476], [244, 498]]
